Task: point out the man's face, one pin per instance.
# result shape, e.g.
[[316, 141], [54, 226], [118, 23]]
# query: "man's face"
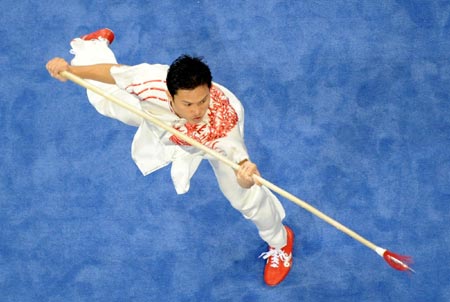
[[191, 104]]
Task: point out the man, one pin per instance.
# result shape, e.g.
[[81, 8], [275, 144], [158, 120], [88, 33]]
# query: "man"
[[184, 96]]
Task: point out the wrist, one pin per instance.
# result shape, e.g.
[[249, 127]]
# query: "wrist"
[[72, 69]]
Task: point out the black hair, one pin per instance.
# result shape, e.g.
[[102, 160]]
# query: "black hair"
[[187, 72]]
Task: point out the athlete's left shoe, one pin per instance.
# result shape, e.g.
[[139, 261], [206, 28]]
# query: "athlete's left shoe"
[[104, 33], [279, 261]]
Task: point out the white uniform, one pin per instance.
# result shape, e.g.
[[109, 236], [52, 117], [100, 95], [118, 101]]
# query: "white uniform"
[[143, 86]]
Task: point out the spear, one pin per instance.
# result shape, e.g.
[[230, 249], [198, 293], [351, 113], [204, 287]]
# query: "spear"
[[396, 261]]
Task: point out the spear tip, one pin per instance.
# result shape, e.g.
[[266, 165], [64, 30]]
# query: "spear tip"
[[398, 262]]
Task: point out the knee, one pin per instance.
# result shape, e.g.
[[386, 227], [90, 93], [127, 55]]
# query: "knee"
[[248, 201]]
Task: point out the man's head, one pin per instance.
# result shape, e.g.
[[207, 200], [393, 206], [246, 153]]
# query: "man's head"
[[188, 82], [187, 72]]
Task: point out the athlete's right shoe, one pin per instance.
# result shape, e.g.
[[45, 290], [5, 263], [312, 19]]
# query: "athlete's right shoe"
[[104, 33]]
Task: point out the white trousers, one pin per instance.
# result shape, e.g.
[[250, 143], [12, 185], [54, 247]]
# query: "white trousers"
[[257, 204]]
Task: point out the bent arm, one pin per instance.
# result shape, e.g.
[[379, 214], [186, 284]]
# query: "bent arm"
[[244, 174], [97, 72]]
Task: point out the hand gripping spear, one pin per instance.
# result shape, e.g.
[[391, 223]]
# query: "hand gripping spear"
[[398, 262]]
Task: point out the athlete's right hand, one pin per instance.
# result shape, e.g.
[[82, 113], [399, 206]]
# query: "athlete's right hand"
[[245, 174], [57, 65]]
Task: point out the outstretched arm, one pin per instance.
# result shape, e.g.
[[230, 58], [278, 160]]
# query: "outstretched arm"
[[97, 72]]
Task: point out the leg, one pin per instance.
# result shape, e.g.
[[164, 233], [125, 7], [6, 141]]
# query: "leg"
[[257, 204], [260, 206], [97, 52]]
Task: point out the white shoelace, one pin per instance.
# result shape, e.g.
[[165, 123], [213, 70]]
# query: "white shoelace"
[[275, 256]]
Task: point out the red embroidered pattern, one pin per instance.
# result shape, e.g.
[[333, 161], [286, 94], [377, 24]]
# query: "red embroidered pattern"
[[222, 118], [148, 90]]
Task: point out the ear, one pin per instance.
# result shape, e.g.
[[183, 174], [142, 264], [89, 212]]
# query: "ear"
[[169, 96]]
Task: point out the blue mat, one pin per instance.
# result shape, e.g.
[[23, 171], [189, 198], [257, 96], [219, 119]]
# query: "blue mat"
[[347, 107]]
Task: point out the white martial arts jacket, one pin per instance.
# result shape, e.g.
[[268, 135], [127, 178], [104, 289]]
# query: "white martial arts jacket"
[[144, 87]]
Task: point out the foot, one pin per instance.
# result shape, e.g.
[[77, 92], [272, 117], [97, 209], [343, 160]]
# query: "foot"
[[279, 261], [104, 33]]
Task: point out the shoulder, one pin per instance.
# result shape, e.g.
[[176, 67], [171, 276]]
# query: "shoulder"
[[140, 70], [126, 75], [221, 92]]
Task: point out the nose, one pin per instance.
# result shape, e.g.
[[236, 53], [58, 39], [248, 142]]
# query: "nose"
[[196, 110]]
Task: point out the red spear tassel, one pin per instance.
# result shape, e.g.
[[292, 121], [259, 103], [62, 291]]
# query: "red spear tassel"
[[399, 262]]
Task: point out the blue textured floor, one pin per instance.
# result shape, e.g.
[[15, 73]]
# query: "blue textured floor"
[[347, 107]]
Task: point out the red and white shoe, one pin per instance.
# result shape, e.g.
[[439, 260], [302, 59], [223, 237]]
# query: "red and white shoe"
[[104, 33], [279, 261]]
